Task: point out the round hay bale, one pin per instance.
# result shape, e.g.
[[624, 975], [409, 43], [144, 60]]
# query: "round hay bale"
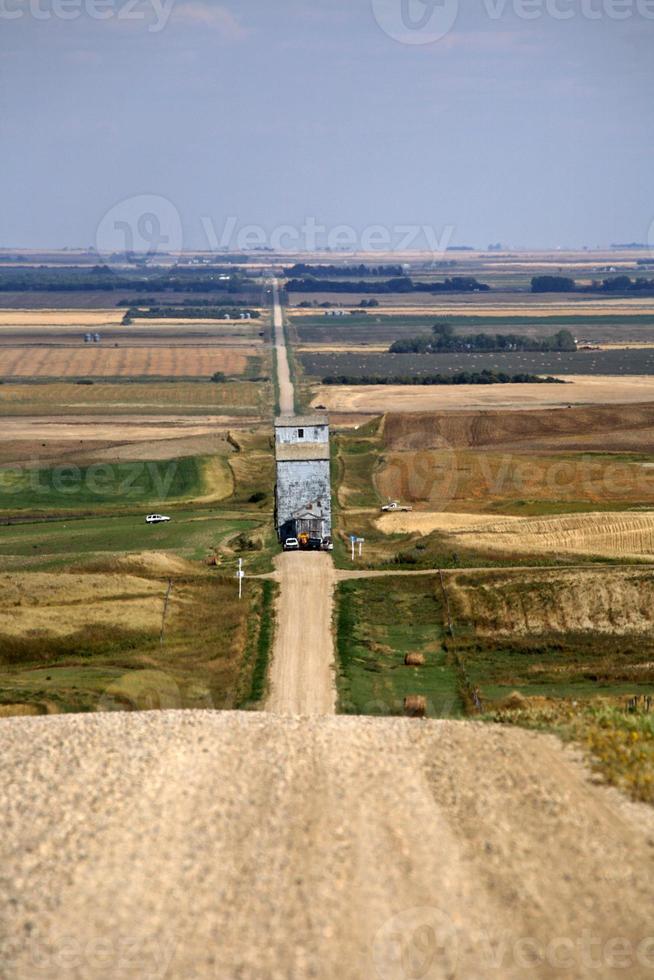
[[414, 660], [514, 702], [415, 706]]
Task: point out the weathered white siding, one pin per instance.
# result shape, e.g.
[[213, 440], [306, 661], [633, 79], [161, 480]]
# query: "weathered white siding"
[[301, 484]]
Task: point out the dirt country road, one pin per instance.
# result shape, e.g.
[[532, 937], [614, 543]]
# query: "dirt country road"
[[286, 399], [230, 845], [302, 670]]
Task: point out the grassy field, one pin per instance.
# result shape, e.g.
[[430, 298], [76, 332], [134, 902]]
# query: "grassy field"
[[192, 534], [378, 623], [102, 487]]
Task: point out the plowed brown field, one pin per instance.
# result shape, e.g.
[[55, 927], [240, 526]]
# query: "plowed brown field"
[[598, 426]]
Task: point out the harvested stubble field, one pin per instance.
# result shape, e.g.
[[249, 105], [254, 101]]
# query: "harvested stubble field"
[[621, 534], [113, 362], [578, 390], [73, 319]]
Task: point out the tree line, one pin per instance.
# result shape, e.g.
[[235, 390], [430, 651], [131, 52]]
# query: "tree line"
[[101, 278], [399, 284], [616, 284], [443, 340], [485, 377], [302, 269]]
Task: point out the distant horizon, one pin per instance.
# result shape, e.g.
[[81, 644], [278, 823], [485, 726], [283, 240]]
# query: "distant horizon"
[[611, 248]]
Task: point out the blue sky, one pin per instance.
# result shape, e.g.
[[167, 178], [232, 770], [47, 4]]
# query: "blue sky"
[[532, 130]]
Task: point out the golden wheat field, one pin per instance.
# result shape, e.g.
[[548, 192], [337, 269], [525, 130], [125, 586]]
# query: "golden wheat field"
[[622, 534], [115, 362]]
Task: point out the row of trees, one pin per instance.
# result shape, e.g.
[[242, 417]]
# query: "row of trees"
[[102, 278], [188, 313], [443, 340], [617, 284], [400, 284], [484, 377], [302, 269]]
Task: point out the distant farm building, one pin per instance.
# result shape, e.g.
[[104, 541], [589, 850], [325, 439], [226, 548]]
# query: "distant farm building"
[[303, 491]]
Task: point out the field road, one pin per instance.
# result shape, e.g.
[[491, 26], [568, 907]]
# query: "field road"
[[244, 845], [302, 670], [286, 400]]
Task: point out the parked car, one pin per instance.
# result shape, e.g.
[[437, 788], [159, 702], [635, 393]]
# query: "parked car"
[[157, 519], [314, 544], [395, 507], [291, 544], [327, 544]]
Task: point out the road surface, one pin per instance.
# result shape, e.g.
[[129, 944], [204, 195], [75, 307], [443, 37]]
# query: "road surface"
[[286, 401], [302, 671], [229, 845]]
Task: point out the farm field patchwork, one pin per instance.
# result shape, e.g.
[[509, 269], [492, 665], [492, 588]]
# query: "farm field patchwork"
[[496, 494]]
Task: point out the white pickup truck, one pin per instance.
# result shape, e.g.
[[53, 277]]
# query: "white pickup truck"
[[395, 507]]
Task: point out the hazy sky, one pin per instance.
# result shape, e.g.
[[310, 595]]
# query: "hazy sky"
[[529, 122]]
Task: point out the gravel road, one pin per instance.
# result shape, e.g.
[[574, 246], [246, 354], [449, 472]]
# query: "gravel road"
[[302, 669], [231, 845], [286, 400]]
